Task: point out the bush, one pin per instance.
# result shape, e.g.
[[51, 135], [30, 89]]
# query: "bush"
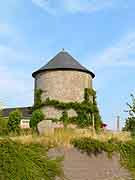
[[37, 116], [14, 121], [27, 162], [3, 123], [3, 126], [88, 145]]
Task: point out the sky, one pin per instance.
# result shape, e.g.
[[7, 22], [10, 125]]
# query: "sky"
[[100, 34]]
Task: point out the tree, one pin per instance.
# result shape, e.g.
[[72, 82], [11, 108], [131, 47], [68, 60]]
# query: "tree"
[[37, 116], [14, 121], [130, 121]]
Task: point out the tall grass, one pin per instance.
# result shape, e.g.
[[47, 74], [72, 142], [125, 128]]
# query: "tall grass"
[[62, 137], [27, 162], [3, 126]]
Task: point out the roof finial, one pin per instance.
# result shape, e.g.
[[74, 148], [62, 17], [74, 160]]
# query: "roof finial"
[[63, 49]]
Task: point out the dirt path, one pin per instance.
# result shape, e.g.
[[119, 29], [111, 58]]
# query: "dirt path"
[[78, 166]]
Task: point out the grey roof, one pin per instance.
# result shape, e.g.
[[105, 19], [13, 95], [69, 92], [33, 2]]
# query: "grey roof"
[[63, 61], [26, 111]]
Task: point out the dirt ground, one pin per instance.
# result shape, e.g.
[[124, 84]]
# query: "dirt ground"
[[78, 166]]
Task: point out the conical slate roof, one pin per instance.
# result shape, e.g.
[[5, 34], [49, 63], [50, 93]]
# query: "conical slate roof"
[[63, 61]]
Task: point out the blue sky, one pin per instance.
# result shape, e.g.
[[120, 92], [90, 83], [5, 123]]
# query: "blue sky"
[[99, 33]]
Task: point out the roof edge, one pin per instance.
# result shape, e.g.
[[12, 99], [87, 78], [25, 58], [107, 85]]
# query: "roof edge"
[[63, 69]]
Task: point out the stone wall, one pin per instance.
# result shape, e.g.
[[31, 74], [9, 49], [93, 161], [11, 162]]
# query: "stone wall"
[[65, 86], [51, 112]]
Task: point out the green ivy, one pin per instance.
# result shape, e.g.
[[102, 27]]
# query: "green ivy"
[[89, 93], [38, 99], [84, 109]]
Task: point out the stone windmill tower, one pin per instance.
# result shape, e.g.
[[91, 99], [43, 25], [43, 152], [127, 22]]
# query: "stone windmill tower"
[[64, 79]]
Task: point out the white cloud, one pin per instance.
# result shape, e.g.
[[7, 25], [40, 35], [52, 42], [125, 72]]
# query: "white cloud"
[[122, 53], [75, 6], [86, 5]]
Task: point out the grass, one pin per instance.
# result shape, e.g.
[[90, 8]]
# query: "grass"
[[27, 162], [62, 137], [3, 126], [32, 148]]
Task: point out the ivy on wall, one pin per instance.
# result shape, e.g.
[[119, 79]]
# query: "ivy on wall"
[[38, 99], [85, 110]]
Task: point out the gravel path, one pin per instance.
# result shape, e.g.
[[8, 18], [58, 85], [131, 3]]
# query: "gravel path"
[[78, 166]]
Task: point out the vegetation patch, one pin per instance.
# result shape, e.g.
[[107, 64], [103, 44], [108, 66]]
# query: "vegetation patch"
[[130, 121], [27, 162], [37, 116], [3, 126], [14, 121], [86, 110]]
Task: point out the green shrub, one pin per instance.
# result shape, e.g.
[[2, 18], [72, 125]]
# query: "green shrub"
[[94, 146], [3, 126], [88, 145], [14, 121], [3, 123], [27, 162], [37, 116]]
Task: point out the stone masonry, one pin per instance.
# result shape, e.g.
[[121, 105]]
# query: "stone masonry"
[[65, 86]]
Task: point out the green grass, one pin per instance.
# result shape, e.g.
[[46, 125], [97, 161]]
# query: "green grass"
[[25, 156], [125, 149], [27, 162], [3, 126]]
